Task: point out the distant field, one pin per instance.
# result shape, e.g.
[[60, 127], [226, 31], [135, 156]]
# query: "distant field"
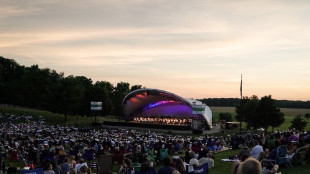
[[289, 114]]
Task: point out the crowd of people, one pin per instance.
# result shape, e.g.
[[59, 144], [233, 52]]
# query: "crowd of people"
[[67, 149], [165, 120], [274, 150]]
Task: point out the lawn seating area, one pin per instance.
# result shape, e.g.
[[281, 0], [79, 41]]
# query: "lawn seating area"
[[36, 144]]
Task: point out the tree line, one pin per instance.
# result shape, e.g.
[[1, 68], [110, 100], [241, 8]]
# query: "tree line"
[[232, 102], [49, 90]]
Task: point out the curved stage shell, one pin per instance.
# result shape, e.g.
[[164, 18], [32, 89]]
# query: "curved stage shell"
[[160, 103]]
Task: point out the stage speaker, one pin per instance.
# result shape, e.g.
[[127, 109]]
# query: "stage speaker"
[[197, 131]]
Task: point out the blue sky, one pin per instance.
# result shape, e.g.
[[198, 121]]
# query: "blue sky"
[[196, 49]]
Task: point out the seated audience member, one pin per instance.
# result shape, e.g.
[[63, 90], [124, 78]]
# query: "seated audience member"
[[135, 163], [126, 167], [80, 164], [146, 166], [236, 164], [11, 169], [208, 159], [85, 170], [72, 171], [191, 156], [263, 155], [204, 152], [65, 167], [117, 155], [72, 162], [273, 152], [138, 154], [49, 169], [271, 142], [244, 150], [179, 166], [57, 168], [194, 162], [250, 166], [257, 149], [166, 169], [187, 152]]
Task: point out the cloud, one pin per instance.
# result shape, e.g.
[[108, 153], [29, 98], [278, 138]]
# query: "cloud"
[[200, 45]]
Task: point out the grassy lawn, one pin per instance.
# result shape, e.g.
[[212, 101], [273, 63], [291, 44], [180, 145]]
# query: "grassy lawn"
[[49, 117]]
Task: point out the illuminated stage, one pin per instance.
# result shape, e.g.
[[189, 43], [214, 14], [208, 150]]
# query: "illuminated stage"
[[134, 124], [148, 107]]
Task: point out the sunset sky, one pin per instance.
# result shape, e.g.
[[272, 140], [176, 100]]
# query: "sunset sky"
[[195, 49]]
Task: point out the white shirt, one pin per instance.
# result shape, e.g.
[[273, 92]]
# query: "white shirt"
[[256, 151], [79, 166]]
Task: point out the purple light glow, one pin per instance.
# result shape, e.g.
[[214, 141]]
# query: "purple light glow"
[[169, 110], [152, 105]]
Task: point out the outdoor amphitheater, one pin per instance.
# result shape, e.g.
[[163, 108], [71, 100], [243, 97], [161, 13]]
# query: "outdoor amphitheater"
[[160, 131]]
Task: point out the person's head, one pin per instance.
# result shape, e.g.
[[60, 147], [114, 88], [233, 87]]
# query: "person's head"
[[255, 143], [48, 166], [83, 169], [244, 157], [251, 166], [72, 158], [145, 166], [194, 162], [179, 165], [191, 154], [138, 149], [209, 155], [167, 161], [126, 162], [81, 160], [188, 148]]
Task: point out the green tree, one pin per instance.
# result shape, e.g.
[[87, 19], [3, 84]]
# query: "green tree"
[[268, 114], [135, 87], [67, 96], [86, 88], [307, 115], [10, 74], [225, 116], [103, 91], [298, 123], [241, 110], [120, 91], [250, 112]]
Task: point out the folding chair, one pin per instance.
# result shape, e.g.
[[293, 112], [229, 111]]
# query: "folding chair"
[[281, 156], [268, 163], [203, 169], [299, 156]]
